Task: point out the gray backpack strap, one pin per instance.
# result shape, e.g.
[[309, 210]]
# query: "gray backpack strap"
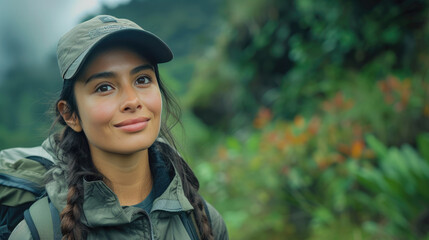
[[56, 222], [190, 223], [43, 220], [14, 154], [206, 209]]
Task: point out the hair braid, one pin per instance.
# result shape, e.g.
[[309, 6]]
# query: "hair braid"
[[74, 153], [201, 217], [71, 226]]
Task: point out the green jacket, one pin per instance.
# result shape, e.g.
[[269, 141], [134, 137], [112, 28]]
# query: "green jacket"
[[107, 219]]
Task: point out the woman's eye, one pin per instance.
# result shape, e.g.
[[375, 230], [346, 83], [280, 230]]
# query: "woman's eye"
[[104, 88], [143, 80]]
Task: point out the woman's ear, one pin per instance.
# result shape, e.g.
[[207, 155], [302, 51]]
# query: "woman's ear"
[[70, 118]]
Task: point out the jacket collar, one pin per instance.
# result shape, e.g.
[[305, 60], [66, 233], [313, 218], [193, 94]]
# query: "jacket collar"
[[101, 206]]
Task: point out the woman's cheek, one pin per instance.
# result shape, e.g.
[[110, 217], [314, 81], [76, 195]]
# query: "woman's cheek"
[[101, 112], [104, 113], [154, 103]]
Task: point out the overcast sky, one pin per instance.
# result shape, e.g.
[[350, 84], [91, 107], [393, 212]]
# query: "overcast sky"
[[30, 29]]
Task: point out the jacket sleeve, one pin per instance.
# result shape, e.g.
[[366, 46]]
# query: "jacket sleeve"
[[21, 232], [218, 225]]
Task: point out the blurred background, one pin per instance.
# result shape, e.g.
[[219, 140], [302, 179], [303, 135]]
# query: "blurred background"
[[302, 119]]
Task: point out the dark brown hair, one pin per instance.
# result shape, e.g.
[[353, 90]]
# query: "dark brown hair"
[[73, 152]]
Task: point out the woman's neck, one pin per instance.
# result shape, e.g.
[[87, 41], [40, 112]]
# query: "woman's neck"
[[129, 176]]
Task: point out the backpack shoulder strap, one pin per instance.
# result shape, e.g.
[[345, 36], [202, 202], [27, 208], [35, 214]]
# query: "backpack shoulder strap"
[[56, 223], [206, 209], [190, 223], [43, 220], [14, 154]]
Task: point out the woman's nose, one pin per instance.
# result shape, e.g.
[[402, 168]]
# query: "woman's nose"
[[131, 101]]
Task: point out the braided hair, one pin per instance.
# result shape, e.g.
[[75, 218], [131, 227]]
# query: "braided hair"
[[73, 151]]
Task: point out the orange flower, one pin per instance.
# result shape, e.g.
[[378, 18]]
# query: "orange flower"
[[357, 149], [299, 121], [393, 82], [222, 152], [343, 148], [339, 99], [263, 117], [282, 144], [323, 162], [300, 139], [426, 110], [382, 85], [314, 125]]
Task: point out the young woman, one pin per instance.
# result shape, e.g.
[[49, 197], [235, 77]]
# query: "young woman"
[[118, 175]]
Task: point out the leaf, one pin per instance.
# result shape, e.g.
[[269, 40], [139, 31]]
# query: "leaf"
[[376, 145], [233, 144], [371, 179], [397, 163], [417, 165], [321, 216], [423, 145]]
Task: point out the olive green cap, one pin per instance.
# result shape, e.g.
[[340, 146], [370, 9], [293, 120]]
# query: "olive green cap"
[[75, 46]]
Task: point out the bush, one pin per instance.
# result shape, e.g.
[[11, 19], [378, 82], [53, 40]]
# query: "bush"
[[305, 176]]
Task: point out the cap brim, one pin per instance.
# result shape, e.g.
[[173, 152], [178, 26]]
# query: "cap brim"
[[149, 44]]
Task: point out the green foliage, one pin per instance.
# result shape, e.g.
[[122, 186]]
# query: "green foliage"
[[422, 145], [291, 55], [315, 170], [326, 90], [341, 228], [26, 96], [398, 186]]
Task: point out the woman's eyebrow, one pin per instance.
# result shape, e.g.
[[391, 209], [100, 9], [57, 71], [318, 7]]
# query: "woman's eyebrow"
[[141, 68], [111, 74], [99, 75]]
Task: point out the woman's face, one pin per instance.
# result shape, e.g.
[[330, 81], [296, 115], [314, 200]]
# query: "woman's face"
[[119, 102]]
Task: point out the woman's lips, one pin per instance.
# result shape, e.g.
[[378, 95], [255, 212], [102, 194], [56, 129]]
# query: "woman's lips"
[[133, 125]]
